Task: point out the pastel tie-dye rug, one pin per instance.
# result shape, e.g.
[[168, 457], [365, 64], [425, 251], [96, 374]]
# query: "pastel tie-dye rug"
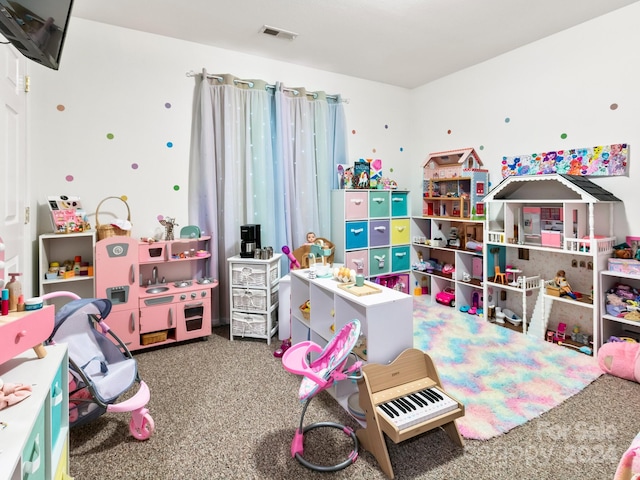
[[503, 378]]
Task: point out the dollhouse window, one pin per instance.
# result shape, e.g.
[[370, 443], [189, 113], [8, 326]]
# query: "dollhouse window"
[[480, 188]]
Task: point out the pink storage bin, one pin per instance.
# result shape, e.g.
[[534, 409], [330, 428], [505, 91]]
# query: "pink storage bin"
[[624, 265]]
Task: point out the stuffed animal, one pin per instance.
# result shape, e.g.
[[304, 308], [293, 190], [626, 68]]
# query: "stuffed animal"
[[621, 359]]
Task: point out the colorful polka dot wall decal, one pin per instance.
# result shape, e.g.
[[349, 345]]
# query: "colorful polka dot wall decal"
[[167, 105], [386, 126], [448, 132], [563, 136], [110, 136], [60, 108], [353, 132], [481, 147], [160, 217], [507, 120], [169, 144], [613, 106], [373, 150], [401, 149], [69, 178], [176, 187], [124, 198], [134, 166]]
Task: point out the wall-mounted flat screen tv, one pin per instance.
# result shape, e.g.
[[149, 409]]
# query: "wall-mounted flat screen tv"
[[37, 28]]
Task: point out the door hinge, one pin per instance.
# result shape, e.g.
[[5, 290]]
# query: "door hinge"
[[27, 83], [27, 216]]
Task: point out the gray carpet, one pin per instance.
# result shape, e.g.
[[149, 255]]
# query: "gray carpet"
[[228, 410]]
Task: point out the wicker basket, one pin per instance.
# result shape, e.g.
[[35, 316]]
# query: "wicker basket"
[[305, 311], [106, 231]]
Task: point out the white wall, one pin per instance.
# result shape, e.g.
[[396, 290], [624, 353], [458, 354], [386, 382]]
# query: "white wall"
[[562, 84], [114, 80]]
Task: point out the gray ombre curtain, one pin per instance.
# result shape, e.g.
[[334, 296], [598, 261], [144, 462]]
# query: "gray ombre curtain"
[[261, 154]]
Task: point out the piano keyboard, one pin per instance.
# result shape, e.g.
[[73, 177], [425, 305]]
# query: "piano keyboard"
[[417, 407]]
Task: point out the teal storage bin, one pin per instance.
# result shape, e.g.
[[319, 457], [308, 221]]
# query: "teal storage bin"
[[400, 258], [356, 235], [56, 397], [379, 204], [34, 456], [379, 261], [399, 204]]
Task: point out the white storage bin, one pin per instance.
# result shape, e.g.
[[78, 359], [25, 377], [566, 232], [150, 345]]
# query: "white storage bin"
[[246, 324], [253, 275], [249, 299]]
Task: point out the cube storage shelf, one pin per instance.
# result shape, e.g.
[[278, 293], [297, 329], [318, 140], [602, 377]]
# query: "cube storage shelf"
[[35, 441], [371, 231]]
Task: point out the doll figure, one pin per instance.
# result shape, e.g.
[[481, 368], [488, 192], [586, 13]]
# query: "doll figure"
[[311, 238], [565, 288]]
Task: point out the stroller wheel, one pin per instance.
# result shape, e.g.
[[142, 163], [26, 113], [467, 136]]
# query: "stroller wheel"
[[145, 430]]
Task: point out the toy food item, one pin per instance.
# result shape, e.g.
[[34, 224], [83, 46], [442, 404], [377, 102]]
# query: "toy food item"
[[344, 274]]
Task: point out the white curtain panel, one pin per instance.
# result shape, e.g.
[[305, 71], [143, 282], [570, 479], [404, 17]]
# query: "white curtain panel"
[[260, 155]]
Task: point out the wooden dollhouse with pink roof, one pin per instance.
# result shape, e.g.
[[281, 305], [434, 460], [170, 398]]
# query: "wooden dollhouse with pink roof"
[[454, 185]]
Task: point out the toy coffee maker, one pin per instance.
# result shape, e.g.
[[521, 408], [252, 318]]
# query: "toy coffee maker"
[[249, 240]]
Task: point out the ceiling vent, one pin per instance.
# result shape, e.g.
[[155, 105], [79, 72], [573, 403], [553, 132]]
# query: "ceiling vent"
[[278, 32]]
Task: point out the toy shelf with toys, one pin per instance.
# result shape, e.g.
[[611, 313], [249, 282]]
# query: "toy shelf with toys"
[[447, 255], [619, 305]]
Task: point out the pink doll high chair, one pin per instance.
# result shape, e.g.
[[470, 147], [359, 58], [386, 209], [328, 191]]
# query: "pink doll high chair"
[[329, 366]]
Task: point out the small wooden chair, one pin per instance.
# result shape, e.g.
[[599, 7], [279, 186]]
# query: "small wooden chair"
[[500, 277]]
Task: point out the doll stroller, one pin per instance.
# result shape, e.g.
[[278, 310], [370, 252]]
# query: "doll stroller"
[[100, 371], [329, 366]]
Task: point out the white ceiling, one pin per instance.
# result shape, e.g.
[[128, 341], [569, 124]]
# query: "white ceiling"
[[399, 42]]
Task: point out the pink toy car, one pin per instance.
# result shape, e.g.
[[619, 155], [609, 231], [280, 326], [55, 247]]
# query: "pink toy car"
[[446, 297]]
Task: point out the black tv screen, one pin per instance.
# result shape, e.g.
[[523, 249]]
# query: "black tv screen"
[[37, 28]]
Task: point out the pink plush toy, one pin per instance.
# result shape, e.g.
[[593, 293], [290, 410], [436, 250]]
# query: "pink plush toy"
[[621, 359]]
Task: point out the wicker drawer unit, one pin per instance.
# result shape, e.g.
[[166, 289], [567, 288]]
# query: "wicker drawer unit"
[[253, 296]]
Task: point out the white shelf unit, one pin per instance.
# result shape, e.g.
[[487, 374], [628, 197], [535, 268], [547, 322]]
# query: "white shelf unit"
[[371, 231], [386, 320], [59, 248], [429, 239], [35, 442], [253, 296], [579, 241], [611, 325]]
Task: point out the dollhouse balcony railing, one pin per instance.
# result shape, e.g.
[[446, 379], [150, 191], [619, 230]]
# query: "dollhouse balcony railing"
[[601, 245]]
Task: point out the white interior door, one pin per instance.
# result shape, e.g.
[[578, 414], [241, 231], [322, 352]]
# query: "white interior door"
[[13, 166]]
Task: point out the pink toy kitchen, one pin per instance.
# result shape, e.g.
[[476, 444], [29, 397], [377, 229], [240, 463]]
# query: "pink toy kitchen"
[[160, 291], [543, 226]]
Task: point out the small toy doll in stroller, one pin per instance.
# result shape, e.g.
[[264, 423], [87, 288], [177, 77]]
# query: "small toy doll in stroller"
[[100, 369]]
